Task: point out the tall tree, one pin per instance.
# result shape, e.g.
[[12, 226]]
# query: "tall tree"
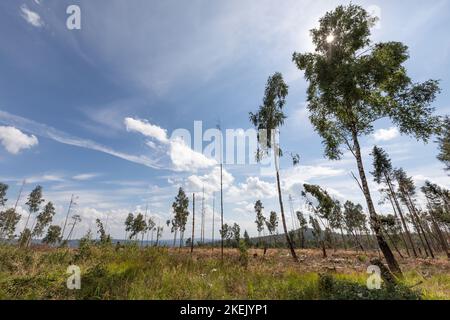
[[128, 224], [247, 239], [150, 228], [384, 173], [104, 237], [53, 235], [337, 221], [159, 231], [34, 202], [407, 191], [272, 225], [354, 219], [76, 219], [303, 227], [438, 204], [353, 83], [444, 143], [323, 209], [181, 213], [3, 190], [236, 230], [138, 226], [268, 120], [8, 222], [44, 219], [260, 219]]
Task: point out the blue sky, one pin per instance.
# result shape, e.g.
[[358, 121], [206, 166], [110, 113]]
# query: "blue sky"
[[65, 96]]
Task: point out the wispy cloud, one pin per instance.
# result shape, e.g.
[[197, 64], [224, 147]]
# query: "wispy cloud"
[[45, 131], [85, 176], [31, 17], [147, 129]]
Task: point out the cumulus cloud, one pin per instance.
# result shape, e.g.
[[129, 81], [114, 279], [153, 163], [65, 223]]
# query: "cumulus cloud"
[[31, 17], [252, 188], [302, 174], [182, 156], [210, 181], [386, 134], [15, 140], [185, 159]]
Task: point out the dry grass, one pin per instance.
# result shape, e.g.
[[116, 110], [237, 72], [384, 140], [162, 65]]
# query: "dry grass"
[[157, 273]]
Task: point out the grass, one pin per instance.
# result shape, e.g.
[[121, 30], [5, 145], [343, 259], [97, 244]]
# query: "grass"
[[130, 272]]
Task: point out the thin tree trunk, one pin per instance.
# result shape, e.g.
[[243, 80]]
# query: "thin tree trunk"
[[419, 233], [343, 239], [414, 211], [283, 218], [387, 252], [221, 203], [401, 230], [358, 243], [393, 243], [175, 237], [442, 239], [67, 217], [193, 222], [402, 218]]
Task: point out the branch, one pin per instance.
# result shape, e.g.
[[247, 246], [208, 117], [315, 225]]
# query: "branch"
[[357, 181]]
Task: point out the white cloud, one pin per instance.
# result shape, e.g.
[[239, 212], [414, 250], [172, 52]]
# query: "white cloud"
[[15, 140], [210, 181], [185, 159], [386, 134], [302, 174], [51, 177], [85, 176], [253, 188], [147, 129], [182, 156], [31, 17], [48, 132]]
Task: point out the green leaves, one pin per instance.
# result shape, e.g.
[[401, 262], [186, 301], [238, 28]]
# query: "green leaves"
[[382, 165], [35, 199], [44, 219], [444, 143], [270, 115], [180, 210], [353, 83]]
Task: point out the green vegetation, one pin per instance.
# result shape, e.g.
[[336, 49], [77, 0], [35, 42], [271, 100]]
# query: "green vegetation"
[[130, 272]]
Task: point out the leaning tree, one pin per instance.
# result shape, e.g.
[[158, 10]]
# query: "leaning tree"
[[353, 83], [268, 120], [444, 143]]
